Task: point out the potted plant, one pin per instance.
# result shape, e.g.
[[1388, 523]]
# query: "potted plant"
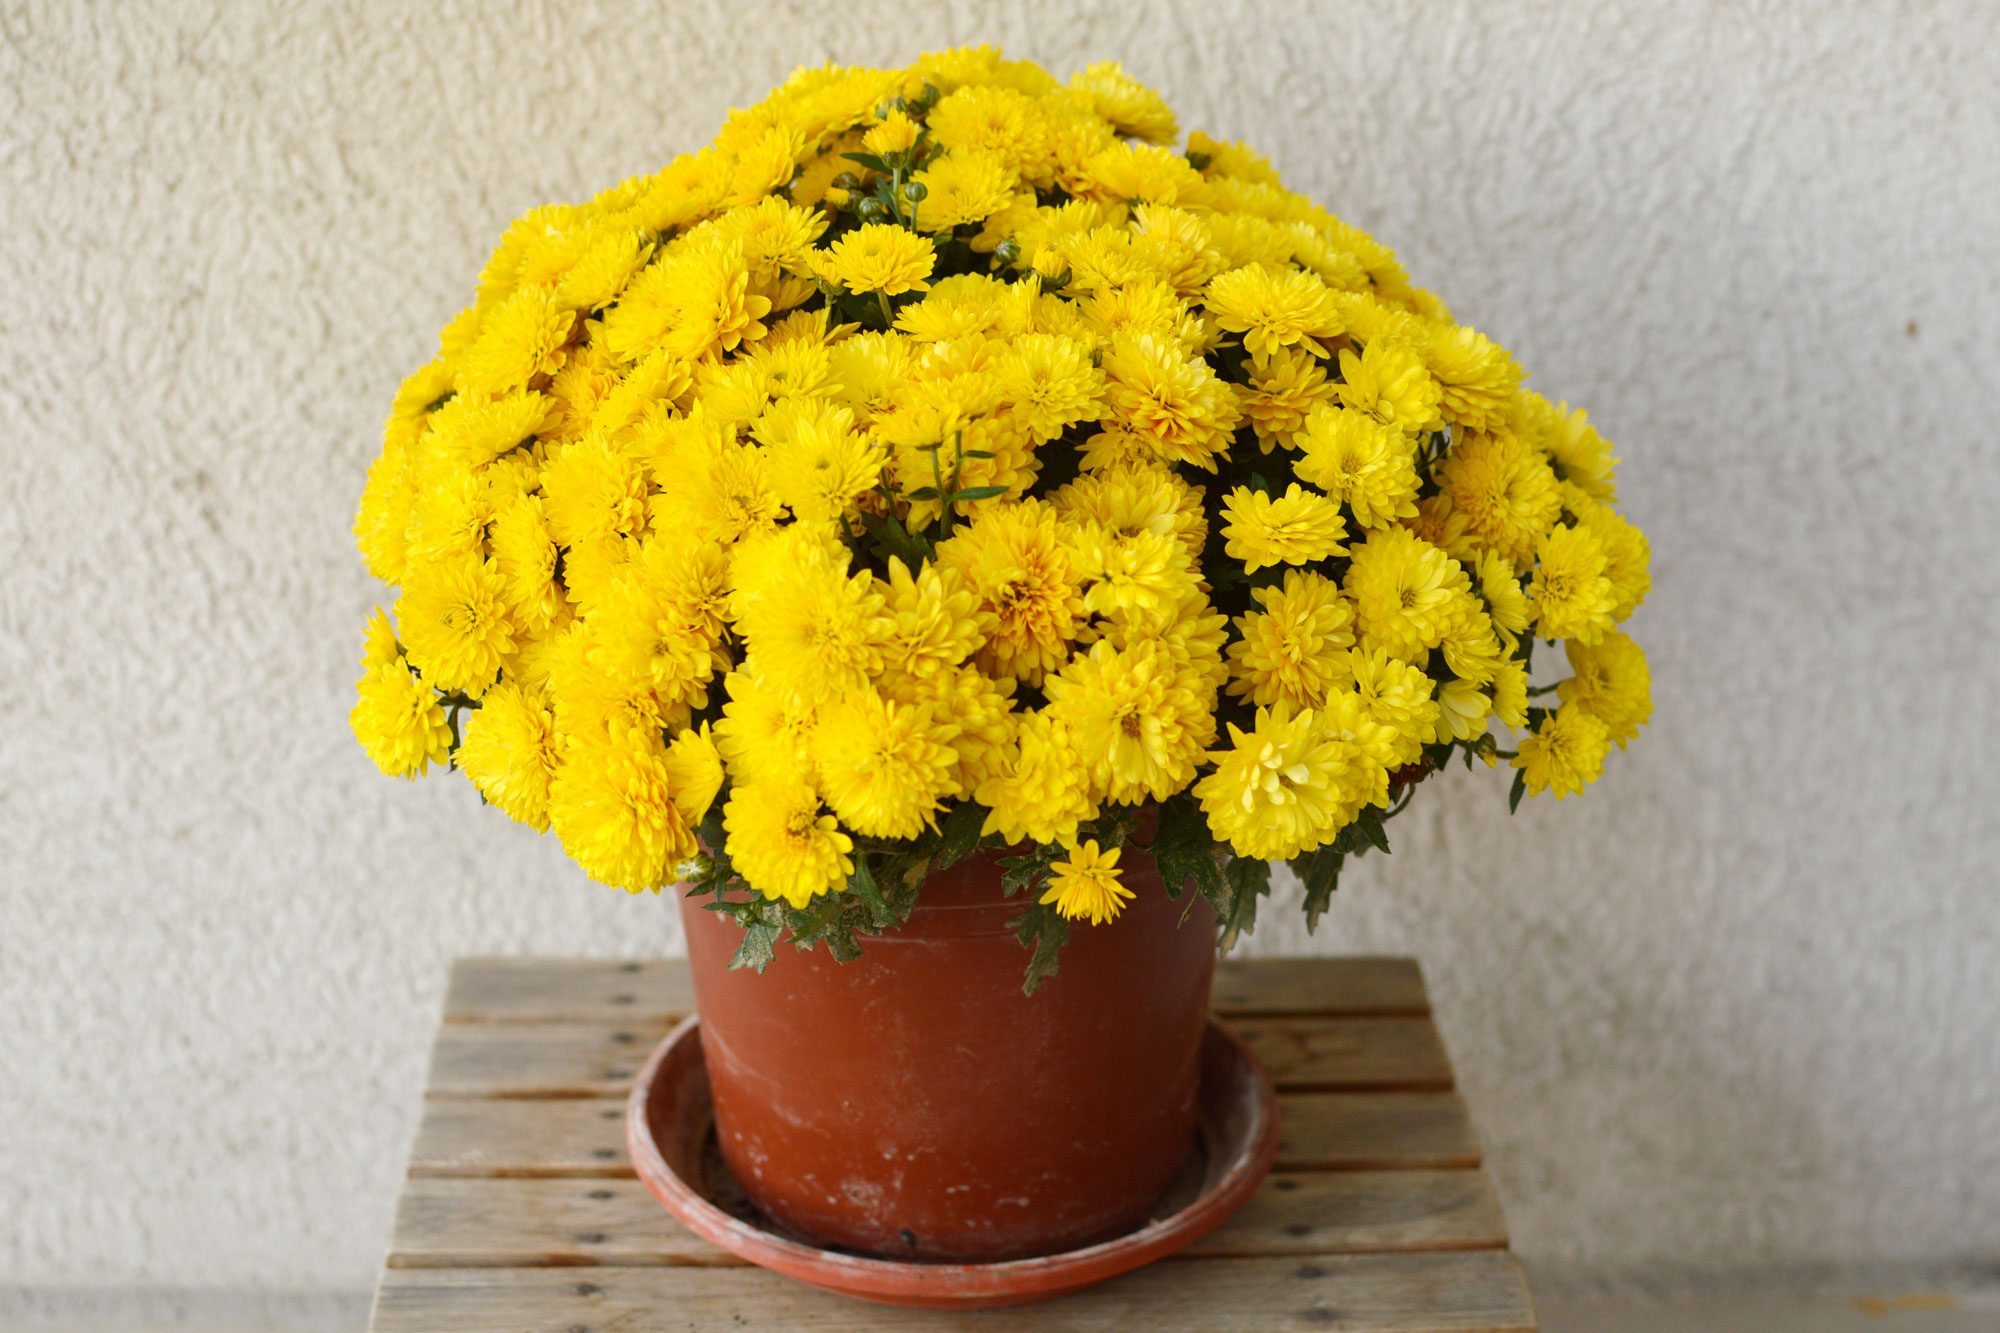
[[954, 533]]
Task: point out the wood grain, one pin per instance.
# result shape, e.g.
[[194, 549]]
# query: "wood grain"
[[553, 990], [473, 1136], [1451, 1292], [570, 1222], [596, 1059]]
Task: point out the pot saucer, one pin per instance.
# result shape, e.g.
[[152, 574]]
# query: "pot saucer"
[[669, 1127]]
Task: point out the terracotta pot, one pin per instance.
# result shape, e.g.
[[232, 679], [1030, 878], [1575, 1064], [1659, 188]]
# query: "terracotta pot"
[[915, 1104]]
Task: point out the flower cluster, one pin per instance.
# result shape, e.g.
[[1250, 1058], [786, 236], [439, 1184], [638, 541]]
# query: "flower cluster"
[[944, 458]]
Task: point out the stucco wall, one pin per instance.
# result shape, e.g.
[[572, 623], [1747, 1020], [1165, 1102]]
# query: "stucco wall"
[[1737, 1007]]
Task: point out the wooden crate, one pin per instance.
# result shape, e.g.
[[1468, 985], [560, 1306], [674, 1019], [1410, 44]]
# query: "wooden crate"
[[522, 1211]]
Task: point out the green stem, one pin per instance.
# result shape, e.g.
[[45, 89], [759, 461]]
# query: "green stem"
[[888, 319]]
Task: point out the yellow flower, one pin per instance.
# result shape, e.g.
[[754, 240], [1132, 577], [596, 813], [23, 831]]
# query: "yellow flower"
[[961, 188], [1171, 400], [1086, 883], [1002, 121], [1273, 309], [1280, 398], [1038, 794], [1017, 561], [475, 431], [1581, 455], [525, 555], [1611, 683], [1506, 604], [1390, 384], [878, 257], [1130, 106], [1565, 753], [1294, 649], [821, 468], [1139, 718], [765, 733], [378, 642], [1128, 499], [1051, 382], [1402, 588], [1139, 583], [1300, 527], [1573, 599], [1477, 379], [936, 620], [626, 806], [1503, 490], [593, 492], [812, 627], [521, 339], [692, 302], [1398, 696], [782, 842], [1281, 788], [510, 752], [399, 722], [885, 767], [453, 617], [1627, 557], [894, 133], [1463, 707], [1355, 459]]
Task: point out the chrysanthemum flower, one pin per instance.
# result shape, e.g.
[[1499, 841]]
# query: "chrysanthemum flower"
[[1130, 106], [1086, 884], [961, 188], [1273, 309], [454, 623], [626, 806], [1038, 794], [765, 733], [1170, 399], [479, 430], [1294, 649], [1390, 384], [822, 467], [1356, 459], [1398, 696], [1503, 490], [1581, 455], [593, 492], [510, 752], [1052, 383], [1402, 589], [936, 619], [1279, 399], [1138, 717], [1278, 789], [1565, 753], [1611, 683], [399, 722], [814, 628], [1299, 527], [1477, 379], [521, 339], [1134, 498], [378, 641], [885, 767], [1017, 560], [783, 841], [878, 257], [1573, 599]]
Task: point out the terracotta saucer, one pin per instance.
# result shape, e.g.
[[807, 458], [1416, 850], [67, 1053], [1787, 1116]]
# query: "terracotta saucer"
[[669, 1127]]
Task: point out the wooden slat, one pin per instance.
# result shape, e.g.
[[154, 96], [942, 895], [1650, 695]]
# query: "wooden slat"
[[616, 1223], [586, 1137], [551, 990], [1464, 1292], [599, 1060]]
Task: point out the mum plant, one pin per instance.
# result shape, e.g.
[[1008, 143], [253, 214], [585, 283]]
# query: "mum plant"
[[945, 460]]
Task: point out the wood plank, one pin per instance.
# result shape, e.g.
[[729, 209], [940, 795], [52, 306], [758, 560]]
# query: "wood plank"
[[551, 990], [1479, 1291], [615, 1223], [572, 1059], [586, 1137]]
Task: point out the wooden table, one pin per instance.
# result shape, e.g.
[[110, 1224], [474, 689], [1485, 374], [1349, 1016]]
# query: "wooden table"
[[521, 1210]]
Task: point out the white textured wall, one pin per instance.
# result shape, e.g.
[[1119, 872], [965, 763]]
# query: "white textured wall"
[[1737, 1007]]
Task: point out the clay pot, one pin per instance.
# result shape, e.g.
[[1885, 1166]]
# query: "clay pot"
[[914, 1104]]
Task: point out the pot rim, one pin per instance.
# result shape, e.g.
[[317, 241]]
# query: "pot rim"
[[950, 1285]]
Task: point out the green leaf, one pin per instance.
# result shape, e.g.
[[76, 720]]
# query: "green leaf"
[[922, 493], [978, 493], [1369, 822], [959, 833], [1519, 790], [759, 947], [1319, 871], [1026, 871], [1045, 930], [975, 453], [868, 160], [1248, 881], [863, 883]]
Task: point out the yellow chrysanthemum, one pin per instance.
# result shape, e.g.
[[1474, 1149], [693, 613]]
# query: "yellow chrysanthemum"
[[1281, 788], [1402, 588], [783, 842], [378, 642], [1280, 398], [765, 733], [1294, 649], [822, 468], [1052, 383], [520, 340], [1398, 696], [510, 752], [1572, 597], [885, 767], [1173, 401], [1300, 527], [1369, 467], [1086, 884], [1565, 753], [1017, 561], [961, 188], [594, 492], [1273, 309], [936, 621], [1504, 492], [1038, 794], [1390, 384], [814, 628], [1139, 718], [1611, 683], [626, 806], [1477, 379], [1581, 455], [1130, 499], [1130, 106], [399, 722], [454, 623], [475, 431], [878, 257]]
